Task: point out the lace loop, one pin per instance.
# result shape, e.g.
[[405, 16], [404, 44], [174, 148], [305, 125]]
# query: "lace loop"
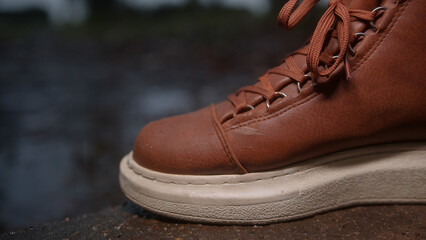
[[337, 12], [289, 19], [335, 23]]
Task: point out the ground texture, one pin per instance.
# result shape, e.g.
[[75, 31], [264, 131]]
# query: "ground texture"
[[131, 222]]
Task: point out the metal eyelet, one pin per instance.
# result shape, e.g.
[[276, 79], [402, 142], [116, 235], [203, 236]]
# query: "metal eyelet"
[[268, 103], [379, 8], [361, 34], [299, 87], [307, 76], [351, 49], [248, 106], [281, 94], [372, 24]]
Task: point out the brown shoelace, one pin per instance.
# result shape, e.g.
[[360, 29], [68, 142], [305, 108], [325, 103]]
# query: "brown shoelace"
[[315, 55]]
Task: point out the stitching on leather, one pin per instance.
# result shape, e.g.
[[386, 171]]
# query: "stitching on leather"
[[307, 168], [381, 39], [277, 113], [310, 97], [225, 146]]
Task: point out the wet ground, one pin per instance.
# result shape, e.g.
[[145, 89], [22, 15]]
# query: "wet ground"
[[130, 222]]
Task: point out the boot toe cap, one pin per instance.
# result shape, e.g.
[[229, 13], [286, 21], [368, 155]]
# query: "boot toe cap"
[[184, 144]]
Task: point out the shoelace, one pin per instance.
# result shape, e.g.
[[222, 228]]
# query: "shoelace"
[[315, 55]]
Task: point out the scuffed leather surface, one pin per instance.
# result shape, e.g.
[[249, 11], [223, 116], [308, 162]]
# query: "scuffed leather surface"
[[186, 143]]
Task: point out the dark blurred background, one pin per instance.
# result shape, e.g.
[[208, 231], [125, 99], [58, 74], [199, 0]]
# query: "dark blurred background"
[[79, 78]]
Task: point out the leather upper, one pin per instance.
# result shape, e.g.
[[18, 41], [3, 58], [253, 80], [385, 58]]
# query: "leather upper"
[[384, 101]]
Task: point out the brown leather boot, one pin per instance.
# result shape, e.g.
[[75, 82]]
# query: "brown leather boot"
[[342, 121]]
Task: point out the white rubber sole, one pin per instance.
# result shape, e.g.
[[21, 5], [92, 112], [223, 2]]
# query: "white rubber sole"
[[381, 174]]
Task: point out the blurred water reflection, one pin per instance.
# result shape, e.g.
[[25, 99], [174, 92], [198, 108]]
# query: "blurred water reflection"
[[58, 11], [76, 11], [72, 99]]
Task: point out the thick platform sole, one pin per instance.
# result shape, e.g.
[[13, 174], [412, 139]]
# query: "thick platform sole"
[[380, 174]]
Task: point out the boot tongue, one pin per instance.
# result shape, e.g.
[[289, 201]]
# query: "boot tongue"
[[362, 4]]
